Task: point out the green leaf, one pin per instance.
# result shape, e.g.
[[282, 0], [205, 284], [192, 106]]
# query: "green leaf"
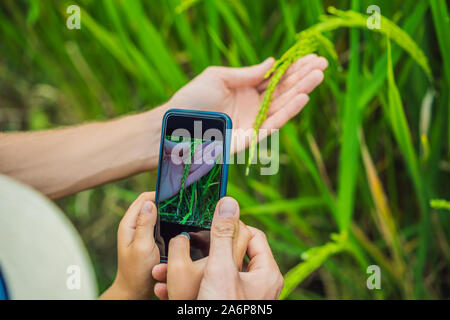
[[314, 258]]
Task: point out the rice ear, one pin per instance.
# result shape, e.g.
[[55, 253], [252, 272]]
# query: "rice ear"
[[312, 39]]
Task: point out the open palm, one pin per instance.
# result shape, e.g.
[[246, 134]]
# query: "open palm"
[[238, 92]]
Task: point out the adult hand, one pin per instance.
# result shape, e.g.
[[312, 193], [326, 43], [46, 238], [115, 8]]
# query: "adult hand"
[[222, 278], [219, 276], [183, 276], [238, 92], [137, 251]]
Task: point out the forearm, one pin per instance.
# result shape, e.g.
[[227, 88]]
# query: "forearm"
[[64, 161]]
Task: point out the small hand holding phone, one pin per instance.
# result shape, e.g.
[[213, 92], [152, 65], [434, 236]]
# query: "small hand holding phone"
[[192, 176]]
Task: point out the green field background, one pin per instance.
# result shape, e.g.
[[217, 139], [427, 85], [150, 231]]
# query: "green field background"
[[358, 166]]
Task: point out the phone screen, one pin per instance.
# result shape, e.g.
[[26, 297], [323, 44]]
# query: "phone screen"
[[189, 180]]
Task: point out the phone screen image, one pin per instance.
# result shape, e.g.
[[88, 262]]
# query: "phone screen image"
[[190, 183], [191, 179]]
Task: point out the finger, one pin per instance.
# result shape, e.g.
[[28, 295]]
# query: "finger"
[[224, 234], [262, 265], [206, 159], [178, 263], [145, 224], [161, 291], [258, 250], [198, 173], [179, 252], [279, 118], [159, 272], [247, 76], [200, 264], [309, 64], [300, 63], [241, 245], [207, 154], [288, 82], [306, 85], [297, 65], [127, 226]]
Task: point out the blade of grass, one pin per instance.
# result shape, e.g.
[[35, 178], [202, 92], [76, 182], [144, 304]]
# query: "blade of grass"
[[301, 158], [314, 257], [245, 47], [197, 52], [441, 20], [136, 64], [276, 207], [294, 215], [385, 219], [371, 86], [152, 44], [348, 158], [403, 137]]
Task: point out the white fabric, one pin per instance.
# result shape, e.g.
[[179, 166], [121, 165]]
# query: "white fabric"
[[37, 246]]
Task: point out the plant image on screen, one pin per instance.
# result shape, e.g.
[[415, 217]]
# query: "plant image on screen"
[[190, 181]]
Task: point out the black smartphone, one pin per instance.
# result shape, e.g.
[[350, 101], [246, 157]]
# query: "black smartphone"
[[192, 176]]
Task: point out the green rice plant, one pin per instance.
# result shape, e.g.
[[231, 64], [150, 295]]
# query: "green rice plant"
[[131, 58], [403, 136], [441, 20], [152, 44], [348, 19], [187, 166], [51, 76], [237, 31], [313, 259], [440, 204], [384, 218], [309, 40], [276, 207], [193, 204], [185, 5], [302, 158], [372, 86], [351, 120], [307, 43]]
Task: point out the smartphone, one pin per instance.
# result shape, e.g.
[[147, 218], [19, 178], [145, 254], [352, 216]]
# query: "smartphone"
[[192, 176]]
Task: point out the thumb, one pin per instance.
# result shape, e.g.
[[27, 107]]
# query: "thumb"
[[224, 233], [145, 223], [246, 76]]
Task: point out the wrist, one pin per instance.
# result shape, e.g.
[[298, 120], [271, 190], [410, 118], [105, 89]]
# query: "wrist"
[[149, 124], [115, 292], [119, 290]]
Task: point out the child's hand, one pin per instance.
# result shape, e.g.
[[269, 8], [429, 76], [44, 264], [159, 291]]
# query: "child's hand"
[[137, 251]]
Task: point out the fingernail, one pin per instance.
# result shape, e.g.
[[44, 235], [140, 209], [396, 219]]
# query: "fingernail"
[[148, 207], [227, 207], [268, 60], [186, 234]]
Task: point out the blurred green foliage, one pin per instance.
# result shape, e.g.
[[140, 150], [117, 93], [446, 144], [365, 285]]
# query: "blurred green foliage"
[[364, 158]]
